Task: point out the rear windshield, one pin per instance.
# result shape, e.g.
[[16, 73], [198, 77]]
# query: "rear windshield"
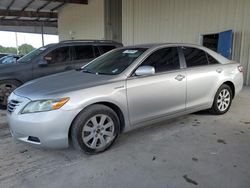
[[114, 62]]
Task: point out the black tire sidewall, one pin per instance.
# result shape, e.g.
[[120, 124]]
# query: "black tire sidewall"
[[215, 108], [80, 121]]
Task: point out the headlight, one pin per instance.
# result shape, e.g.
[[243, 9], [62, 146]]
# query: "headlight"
[[44, 105]]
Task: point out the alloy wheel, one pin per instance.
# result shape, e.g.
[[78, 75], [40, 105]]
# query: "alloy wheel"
[[223, 100], [98, 131]]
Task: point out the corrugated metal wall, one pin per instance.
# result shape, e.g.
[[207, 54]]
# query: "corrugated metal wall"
[[113, 20], [82, 21], [145, 21]]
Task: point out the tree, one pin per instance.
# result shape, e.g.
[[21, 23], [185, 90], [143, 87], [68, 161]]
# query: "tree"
[[10, 50], [25, 49]]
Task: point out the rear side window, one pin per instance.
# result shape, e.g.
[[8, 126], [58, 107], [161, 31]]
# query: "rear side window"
[[162, 60], [104, 49], [83, 52], [195, 57]]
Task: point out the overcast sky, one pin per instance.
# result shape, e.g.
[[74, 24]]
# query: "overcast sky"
[[8, 39]]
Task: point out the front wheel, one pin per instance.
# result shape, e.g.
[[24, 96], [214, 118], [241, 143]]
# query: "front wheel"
[[95, 129], [222, 100]]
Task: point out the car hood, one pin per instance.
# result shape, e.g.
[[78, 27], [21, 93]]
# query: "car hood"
[[6, 66], [61, 83]]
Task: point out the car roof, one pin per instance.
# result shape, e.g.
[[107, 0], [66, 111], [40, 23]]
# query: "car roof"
[[153, 45], [90, 41]]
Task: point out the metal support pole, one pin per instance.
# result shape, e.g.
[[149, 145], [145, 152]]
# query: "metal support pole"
[[42, 34], [17, 51]]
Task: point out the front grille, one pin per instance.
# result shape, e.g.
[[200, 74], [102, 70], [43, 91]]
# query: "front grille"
[[12, 104]]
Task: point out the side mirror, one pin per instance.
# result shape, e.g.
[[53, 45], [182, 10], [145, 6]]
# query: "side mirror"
[[145, 71], [43, 63]]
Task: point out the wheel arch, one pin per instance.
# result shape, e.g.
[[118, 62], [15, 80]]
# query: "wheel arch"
[[231, 85], [117, 110], [111, 105]]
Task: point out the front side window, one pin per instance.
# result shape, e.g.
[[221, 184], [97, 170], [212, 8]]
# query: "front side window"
[[59, 55], [166, 59], [32, 55], [115, 62], [195, 57], [83, 52]]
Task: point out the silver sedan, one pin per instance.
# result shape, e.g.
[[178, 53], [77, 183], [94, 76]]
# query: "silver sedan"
[[119, 91]]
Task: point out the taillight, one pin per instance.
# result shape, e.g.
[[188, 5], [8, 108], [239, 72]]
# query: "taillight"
[[240, 68]]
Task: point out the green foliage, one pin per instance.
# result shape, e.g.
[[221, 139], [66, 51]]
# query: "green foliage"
[[10, 50], [23, 49]]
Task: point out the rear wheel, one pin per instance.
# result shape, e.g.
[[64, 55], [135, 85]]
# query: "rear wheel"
[[6, 88], [222, 100], [95, 129]]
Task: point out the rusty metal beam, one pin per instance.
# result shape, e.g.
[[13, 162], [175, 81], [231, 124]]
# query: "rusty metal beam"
[[70, 1], [8, 7], [28, 23], [30, 14]]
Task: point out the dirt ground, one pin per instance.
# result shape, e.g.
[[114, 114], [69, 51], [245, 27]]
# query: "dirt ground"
[[197, 150]]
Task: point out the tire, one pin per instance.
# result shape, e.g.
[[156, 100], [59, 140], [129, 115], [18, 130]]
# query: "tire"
[[222, 100], [95, 129], [6, 88]]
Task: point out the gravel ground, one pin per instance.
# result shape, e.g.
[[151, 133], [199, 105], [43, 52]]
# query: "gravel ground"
[[197, 150]]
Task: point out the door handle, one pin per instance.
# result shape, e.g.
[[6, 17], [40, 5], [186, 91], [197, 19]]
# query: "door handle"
[[179, 77], [219, 70]]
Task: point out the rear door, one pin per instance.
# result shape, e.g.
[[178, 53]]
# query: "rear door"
[[82, 54], [203, 74], [164, 93], [56, 59]]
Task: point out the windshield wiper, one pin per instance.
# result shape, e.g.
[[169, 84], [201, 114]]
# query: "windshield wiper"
[[87, 71], [102, 73]]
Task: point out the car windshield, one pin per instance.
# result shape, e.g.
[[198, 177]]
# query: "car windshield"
[[2, 58], [7, 60], [31, 55], [115, 62]]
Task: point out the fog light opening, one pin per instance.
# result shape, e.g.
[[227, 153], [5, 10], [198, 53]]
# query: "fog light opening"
[[34, 139]]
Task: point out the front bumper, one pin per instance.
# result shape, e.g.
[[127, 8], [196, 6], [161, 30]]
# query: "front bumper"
[[49, 128]]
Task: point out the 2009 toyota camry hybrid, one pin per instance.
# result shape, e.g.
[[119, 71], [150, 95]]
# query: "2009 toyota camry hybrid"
[[121, 90]]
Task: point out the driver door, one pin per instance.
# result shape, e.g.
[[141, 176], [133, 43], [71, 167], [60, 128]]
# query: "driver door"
[[164, 93]]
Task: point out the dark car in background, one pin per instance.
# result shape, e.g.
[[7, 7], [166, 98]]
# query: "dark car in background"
[[3, 54], [50, 59], [8, 59]]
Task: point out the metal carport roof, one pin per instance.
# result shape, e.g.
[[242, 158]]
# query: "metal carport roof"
[[31, 14]]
